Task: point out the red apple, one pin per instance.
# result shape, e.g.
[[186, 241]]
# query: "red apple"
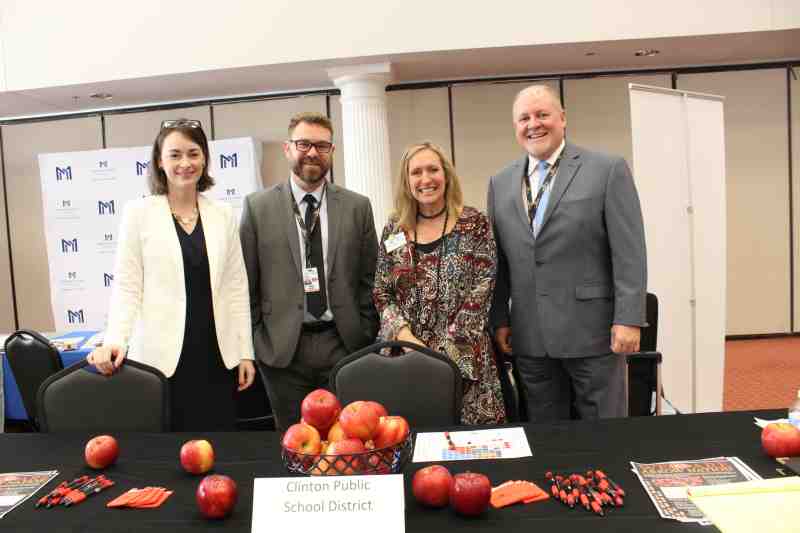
[[302, 438], [197, 456], [780, 439], [379, 408], [101, 451], [216, 496], [344, 463], [391, 430], [320, 408], [359, 420], [336, 433], [431, 486], [470, 493]]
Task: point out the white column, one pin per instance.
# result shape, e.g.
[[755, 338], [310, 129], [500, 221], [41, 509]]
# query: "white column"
[[366, 134]]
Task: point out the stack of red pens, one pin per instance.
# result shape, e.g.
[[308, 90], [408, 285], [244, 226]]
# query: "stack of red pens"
[[593, 491], [73, 492]]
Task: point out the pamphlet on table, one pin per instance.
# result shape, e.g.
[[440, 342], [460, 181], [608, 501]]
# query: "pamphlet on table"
[[501, 443], [16, 487], [667, 483]]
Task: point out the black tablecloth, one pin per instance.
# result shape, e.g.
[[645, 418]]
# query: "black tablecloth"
[[152, 460]]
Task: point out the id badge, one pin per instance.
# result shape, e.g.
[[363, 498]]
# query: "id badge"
[[310, 279], [394, 242]]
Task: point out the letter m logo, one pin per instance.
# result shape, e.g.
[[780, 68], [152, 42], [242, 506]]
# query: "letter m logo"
[[105, 208], [75, 317], [68, 246], [226, 161], [63, 173], [141, 167], [107, 279]]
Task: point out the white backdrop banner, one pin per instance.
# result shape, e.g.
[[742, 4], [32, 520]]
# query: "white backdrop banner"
[[84, 194]]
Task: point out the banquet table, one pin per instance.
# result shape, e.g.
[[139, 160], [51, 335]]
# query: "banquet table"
[[574, 446]]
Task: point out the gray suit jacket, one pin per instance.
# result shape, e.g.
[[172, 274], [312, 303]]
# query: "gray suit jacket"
[[587, 268], [271, 249]]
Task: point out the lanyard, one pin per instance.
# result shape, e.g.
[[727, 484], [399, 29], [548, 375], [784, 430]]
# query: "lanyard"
[[307, 232], [533, 204]]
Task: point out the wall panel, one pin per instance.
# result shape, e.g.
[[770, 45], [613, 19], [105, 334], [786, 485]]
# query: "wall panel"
[[21, 145], [266, 121], [757, 153], [599, 112], [795, 96], [6, 294], [484, 134], [140, 129]]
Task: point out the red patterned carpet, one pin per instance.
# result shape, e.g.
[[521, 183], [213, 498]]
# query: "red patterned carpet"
[[761, 374]]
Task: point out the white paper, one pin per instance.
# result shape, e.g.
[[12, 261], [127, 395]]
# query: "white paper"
[[502, 443], [762, 423], [342, 503]]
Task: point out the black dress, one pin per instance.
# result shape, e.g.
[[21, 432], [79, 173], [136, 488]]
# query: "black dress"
[[202, 389]]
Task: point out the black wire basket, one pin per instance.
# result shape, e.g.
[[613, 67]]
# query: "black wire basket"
[[389, 460]]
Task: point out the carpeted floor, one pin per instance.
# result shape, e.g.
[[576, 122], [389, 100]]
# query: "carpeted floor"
[[761, 374]]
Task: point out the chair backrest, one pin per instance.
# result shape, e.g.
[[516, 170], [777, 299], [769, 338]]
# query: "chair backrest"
[[421, 385], [650, 333], [32, 360], [643, 365], [134, 398]]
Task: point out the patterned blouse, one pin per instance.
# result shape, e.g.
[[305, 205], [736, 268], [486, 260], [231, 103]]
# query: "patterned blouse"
[[442, 291]]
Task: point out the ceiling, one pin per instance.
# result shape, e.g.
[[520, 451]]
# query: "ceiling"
[[521, 61]]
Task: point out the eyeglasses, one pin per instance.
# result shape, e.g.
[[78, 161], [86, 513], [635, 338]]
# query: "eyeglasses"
[[180, 123], [304, 145]]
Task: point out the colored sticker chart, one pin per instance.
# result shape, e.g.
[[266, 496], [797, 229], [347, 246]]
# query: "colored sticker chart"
[[503, 443]]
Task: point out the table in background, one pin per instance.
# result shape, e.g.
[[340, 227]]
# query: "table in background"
[[152, 459], [14, 408]]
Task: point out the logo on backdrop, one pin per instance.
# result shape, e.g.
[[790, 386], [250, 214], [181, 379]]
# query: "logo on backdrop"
[[141, 167], [230, 192], [69, 246], [107, 279], [105, 208], [105, 244], [67, 210], [231, 161], [102, 164], [76, 316], [64, 173], [72, 282]]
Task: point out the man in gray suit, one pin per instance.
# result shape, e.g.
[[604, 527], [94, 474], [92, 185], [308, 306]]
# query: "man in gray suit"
[[572, 269], [310, 250]]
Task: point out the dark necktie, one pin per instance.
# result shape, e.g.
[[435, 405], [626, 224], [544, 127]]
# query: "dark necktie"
[[316, 302]]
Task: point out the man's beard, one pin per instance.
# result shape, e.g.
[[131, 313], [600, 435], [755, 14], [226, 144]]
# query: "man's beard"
[[310, 174]]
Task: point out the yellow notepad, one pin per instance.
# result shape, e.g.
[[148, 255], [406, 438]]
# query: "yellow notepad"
[[766, 505]]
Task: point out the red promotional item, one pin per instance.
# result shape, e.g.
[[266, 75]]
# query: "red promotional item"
[[512, 492], [146, 498]]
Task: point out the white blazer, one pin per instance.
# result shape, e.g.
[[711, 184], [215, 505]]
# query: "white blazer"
[[148, 303]]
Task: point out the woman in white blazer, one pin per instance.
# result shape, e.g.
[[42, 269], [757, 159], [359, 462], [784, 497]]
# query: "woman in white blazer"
[[180, 300]]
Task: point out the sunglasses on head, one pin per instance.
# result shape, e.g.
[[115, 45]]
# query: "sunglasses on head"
[[180, 123]]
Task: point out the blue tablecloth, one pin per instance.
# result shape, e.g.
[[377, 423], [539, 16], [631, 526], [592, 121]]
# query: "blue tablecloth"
[[15, 410]]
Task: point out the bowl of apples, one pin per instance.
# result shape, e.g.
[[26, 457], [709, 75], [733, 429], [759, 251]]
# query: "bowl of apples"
[[361, 438]]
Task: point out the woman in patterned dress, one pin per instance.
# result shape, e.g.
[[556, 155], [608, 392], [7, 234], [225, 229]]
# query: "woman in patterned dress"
[[435, 277]]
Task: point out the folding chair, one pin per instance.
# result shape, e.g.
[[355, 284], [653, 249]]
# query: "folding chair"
[[420, 385], [32, 360], [134, 398], [643, 376]]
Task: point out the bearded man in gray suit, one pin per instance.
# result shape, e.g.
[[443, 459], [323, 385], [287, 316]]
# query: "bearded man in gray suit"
[[572, 268], [310, 251]]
